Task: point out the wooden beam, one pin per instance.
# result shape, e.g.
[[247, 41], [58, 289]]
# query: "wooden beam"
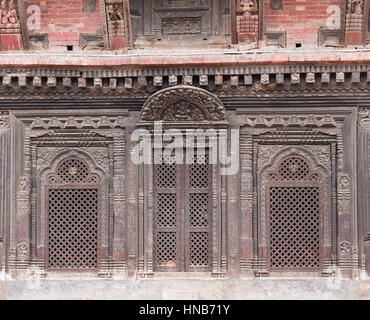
[[234, 36], [23, 23]]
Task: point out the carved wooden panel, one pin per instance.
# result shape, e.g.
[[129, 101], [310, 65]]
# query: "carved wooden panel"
[[9, 17], [294, 208], [198, 214], [172, 20], [182, 217], [73, 229], [167, 216]]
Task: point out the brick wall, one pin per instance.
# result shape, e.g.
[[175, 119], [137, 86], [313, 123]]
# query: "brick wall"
[[301, 19], [64, 20]]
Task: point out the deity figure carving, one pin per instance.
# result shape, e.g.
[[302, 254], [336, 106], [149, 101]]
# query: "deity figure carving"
[[8, 15], [114, 13], [355, 6]]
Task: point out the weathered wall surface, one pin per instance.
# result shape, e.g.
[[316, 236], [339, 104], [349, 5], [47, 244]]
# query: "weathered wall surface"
[[301, 20], [46, 25], [63, 21]]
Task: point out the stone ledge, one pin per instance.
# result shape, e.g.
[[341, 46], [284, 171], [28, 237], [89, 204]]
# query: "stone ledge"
[[188, 58], [261, 289]]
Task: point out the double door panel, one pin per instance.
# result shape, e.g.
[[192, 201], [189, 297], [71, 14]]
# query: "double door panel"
[[183, 219]]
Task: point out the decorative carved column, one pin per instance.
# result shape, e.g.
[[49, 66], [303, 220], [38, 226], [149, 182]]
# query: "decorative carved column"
[[233, 218], [246, 204], [132, 211], [247, 20], [354, 22], [234, 34], [10, 26], [4, 187], [116, 24], [345, 212], [119, 211]]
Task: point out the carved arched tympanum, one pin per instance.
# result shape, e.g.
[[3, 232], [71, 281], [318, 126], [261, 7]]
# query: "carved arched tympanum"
[[183, 103]]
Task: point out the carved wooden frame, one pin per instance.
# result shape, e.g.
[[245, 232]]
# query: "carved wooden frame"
[[44, 185], [324, 189], [146, 176], [285, 138], [103, 147]]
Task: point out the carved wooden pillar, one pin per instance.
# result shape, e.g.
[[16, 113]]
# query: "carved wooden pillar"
[[20, 241], [4, 188], [247, 20], [141, 215], [132, 210], [246, 204], [234, 34], [233, 217], [354, 17], [148, 223], [119, 212], [259, 238], [116, 24], [344, 209], [10, 25]]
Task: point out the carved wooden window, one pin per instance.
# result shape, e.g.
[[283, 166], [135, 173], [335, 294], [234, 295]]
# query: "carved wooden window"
[[182, 220], [73, 202], [294, 210], [180, 20]]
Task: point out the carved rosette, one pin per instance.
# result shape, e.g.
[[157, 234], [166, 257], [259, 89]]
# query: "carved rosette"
[[183, 103]]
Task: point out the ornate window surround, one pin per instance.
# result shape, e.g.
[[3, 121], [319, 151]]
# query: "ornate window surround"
[[98, 140], [325, 209], [282, 135], [47, 179]]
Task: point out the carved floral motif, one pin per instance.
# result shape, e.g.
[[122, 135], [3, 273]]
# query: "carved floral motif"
[[364, 116], [4, 121], [321, 152], [345, 248]]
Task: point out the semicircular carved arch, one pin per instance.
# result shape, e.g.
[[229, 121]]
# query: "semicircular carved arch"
[[183, 103]]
